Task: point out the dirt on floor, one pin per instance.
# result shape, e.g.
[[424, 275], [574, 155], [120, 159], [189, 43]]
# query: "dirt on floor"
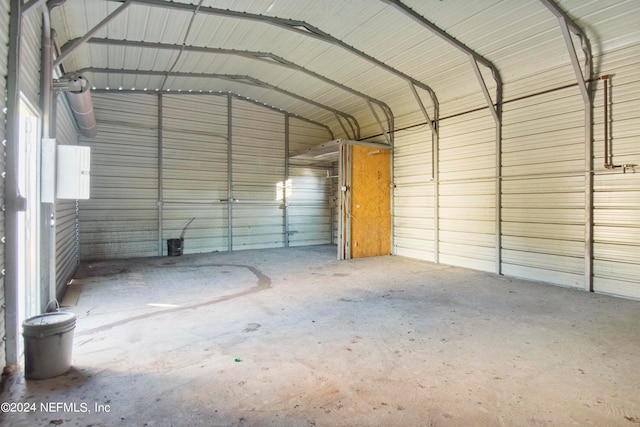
[[293, 337]]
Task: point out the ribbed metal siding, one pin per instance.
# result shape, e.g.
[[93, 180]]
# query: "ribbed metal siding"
[[303, 134], [617, 194], [121, 218], [66, 216], [195, 172], [30, 56], [258, 165], [543, 188], [467, 191], [310, 202], [309, 206], [414, 195], [4, 51]]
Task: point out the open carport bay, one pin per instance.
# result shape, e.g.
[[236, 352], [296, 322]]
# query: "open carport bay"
[[293, 337]]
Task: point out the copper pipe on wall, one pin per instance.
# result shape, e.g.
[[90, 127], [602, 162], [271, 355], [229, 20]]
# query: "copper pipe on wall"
[[607, 163]]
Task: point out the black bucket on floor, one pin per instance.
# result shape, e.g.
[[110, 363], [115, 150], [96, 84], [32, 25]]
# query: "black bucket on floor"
[[174, 247]]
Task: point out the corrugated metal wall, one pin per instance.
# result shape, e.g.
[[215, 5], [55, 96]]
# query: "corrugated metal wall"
[[617, 194], [310, 210], [67, 249], [30, 56], [195, 173], [543, 208], [258, 169], [414, 195], [543, 186], [467, 201], [121, 218], [4, 51]]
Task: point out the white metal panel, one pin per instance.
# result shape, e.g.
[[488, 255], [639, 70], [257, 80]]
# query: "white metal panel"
[[30, 56], [303, 134], [67, 245], [4, 52], [617, 194], [614, 24], [195, 172], [258, 167], [543, 188], [467, 191], [414, 195], [310, 207], [121, 218]]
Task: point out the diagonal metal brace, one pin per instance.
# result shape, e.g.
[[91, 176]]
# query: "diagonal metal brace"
[[79, 42]]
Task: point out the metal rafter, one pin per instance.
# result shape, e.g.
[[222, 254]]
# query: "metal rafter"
[[70, 47], [375, 115], [237, 78], [495, 106], [31, 4], [266, 57], [473, 55], [300, 27], [567, 26]]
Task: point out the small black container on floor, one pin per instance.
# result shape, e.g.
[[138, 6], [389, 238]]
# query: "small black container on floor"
[[174, 247]]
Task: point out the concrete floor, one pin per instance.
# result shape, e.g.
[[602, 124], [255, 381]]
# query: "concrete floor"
[[292, 337]]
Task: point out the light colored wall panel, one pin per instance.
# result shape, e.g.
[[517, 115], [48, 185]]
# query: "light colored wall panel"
[[414, 195], [67, 246], [309, 212], [258, 159], [121, 218], [30, 57], [617, 194], [467, 191], [543, 200], [195, 172], [303, 134]]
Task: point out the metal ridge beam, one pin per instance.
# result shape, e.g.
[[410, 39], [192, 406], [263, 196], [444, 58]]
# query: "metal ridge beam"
[[237, 78], [266, 57]]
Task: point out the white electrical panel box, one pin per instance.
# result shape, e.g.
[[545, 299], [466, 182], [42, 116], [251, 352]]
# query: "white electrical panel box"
[[73, 172]]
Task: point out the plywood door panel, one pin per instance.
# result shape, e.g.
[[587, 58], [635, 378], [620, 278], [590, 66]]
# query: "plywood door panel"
[[370, 202]]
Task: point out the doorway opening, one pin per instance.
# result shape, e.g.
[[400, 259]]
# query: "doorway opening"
[[28, 231]]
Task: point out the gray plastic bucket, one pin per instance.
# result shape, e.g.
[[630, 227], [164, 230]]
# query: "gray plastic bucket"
[[48, 344]]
